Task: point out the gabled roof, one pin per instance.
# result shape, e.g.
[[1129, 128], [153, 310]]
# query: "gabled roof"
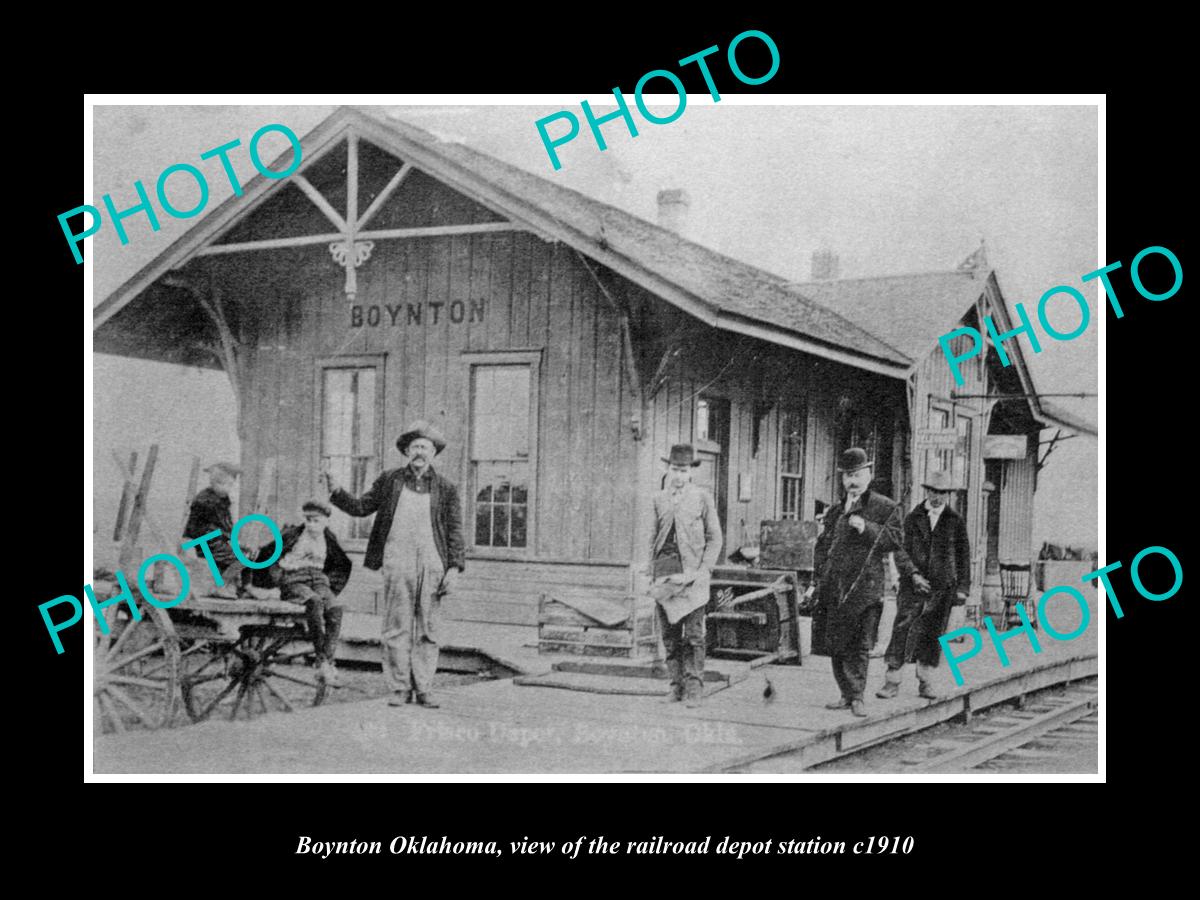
[[913, 311], [720, 291]]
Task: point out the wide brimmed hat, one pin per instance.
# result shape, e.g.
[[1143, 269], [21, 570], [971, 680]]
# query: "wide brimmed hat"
[[682, 455], [420, 429], [317, 506], [227, 467], [941, 480], [853, 459]]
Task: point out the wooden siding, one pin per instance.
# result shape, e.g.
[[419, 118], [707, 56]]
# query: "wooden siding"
[[1016, 506], [536, 296]]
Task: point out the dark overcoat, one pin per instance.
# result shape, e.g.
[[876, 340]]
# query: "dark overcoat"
[[209, 511], [944, 557], [382, 498], [337, 563], [849, 570]]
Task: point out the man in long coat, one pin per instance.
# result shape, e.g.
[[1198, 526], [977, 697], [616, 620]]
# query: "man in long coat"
[[848, 564], [686, 544], [935, 540], [417, 540]]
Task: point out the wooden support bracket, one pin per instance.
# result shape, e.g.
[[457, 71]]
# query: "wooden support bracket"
[[631, 369]]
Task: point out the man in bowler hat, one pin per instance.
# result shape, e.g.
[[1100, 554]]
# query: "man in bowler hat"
[[687, 542], [935, 540], [848, 564], [417, 541]]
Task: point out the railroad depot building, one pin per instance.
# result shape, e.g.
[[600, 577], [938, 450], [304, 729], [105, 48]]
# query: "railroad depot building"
[[562, 346]]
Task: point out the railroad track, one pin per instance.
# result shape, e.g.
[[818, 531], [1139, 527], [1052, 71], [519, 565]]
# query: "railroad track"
[[1051, 728]]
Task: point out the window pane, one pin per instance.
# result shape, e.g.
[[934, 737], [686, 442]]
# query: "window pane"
[[500, 412], [792, 439], [483, 524], [702, 420], [500, 526], [365, 401], [518, 526], [338, 413]]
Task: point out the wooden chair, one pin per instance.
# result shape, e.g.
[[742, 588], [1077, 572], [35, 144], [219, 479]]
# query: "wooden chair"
[[1015, 585]]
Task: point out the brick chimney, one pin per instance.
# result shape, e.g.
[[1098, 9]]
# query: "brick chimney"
[[825, 265], [673, 206]]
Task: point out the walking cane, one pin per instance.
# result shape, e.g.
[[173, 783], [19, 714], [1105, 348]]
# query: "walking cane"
[[866, 560]]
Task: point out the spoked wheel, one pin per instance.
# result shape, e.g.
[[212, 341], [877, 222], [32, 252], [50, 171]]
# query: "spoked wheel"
[[136, 669], [259, 673]]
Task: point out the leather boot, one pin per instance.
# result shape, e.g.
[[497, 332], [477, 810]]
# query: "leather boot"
[[889, 690]]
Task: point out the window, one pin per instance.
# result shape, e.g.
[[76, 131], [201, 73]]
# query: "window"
[[792, 431], [503, 429], [349, 412], [957, 459]]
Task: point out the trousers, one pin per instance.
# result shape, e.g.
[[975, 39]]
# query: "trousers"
[[324, 615], [908, 613], [850, 667], [683, 643], [411, 589]]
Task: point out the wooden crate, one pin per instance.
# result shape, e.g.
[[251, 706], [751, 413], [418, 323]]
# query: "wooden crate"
[[564, 629], [757, 627]]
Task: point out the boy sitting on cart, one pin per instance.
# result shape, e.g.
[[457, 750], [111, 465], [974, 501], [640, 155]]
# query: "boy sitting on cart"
[[312, 570]]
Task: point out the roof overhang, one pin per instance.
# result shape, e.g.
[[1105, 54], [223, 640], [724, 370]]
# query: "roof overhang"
[[514, 207]]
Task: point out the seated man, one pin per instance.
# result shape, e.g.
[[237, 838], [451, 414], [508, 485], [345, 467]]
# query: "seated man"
[[312, 569], [209, 512]]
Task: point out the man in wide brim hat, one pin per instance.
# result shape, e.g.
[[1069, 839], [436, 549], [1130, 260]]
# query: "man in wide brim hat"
[[682, 455], [686, 543], [937, 544], [417, 542], [421, 429]]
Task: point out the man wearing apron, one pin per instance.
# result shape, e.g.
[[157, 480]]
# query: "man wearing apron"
[[417, 541]]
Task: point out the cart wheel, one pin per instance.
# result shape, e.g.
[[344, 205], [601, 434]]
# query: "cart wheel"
[[136, 668], [260, 672]]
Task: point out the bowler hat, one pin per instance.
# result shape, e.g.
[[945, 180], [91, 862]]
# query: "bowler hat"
[[317, 506], [682, 455], [420, 429], [853, 459], [227, 467], [941, 480]]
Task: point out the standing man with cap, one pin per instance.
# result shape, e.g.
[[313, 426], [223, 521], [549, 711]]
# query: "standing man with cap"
[[210, 511], [687, 542], [848, 564], [417, 540], [935, 540]]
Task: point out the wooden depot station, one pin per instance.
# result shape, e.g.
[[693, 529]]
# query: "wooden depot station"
[[563, 345]]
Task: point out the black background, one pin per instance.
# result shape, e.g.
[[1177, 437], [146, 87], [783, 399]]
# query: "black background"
[[960, 829]]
